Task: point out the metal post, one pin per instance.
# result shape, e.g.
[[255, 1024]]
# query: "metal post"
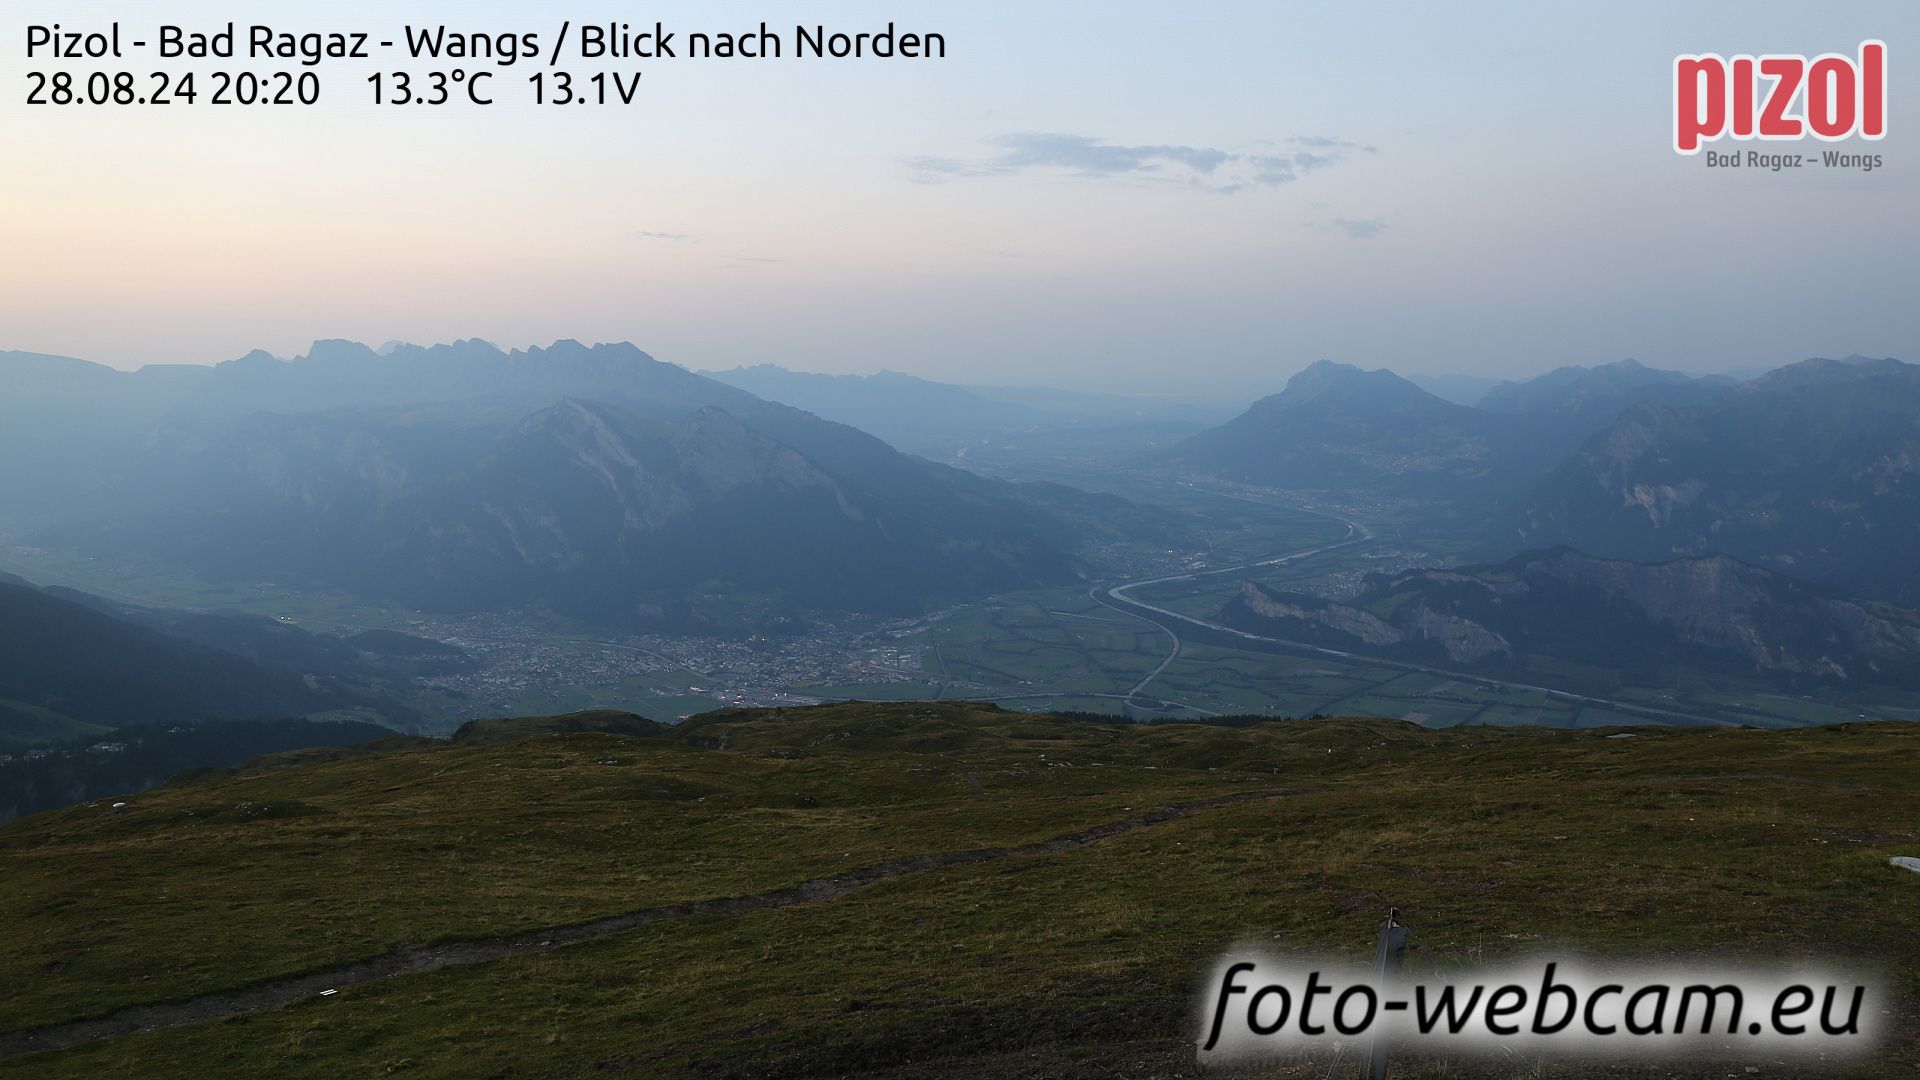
[[1386, 968]]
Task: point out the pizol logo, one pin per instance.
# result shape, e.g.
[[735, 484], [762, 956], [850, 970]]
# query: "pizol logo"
[[1779, 97]]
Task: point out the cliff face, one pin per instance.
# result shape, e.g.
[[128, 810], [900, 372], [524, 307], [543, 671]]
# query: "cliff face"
[[1713, 612], [1459, 639], [1812, 470], [1718, 602], [1360, 625]]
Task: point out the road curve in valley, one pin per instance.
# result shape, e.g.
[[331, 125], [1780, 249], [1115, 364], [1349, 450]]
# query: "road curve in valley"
[[1116, 597]]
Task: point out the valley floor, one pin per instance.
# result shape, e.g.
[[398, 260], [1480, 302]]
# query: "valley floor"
[[1063, 648]]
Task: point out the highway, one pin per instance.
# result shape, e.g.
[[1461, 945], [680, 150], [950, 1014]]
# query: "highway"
[[1116, 598]]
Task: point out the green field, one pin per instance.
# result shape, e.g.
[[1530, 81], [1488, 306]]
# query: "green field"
[[1080, 961]]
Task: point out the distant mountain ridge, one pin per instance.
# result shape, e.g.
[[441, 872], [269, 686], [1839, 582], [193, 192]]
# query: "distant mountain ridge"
[[906, 411], [1592, 397], [1811, 470], [1337, 426], [593, 479], [926, 416]]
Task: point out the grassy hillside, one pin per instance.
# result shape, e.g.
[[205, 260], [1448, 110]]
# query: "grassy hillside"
[[67, 670], [515, 728], [1074, 958]]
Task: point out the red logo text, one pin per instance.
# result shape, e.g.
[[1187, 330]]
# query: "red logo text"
[[1779, 96]]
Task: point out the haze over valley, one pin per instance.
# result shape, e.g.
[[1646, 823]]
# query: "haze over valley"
[[586, 526]]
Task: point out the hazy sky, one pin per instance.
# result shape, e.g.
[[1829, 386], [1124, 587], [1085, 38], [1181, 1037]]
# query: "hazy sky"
[[1119, 194]]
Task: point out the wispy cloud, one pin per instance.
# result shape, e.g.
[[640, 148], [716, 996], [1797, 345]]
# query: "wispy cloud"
[[646, 234], [1092, 157], [1360, 228], [1087, 157], [1328, 142], [932, 170]]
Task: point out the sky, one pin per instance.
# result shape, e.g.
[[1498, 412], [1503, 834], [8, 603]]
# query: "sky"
[[1129, 196]]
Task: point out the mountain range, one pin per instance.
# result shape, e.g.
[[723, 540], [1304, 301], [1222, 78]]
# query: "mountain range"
[[1587, 399], [1809, 470], [593, 480], [1624, 619], [944, 419], [1812, 470], [1340, 428], [916, 414], [599, 483], [1337, 427]]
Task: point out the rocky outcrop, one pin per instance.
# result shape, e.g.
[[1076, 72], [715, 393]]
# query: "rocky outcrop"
[[1712, 612], [1812, 470], [1465, 641], [1346, 620], [1459, 639]]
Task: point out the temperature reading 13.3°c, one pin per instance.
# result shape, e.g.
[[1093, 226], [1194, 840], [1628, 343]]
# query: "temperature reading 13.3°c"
[[431, 88]]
